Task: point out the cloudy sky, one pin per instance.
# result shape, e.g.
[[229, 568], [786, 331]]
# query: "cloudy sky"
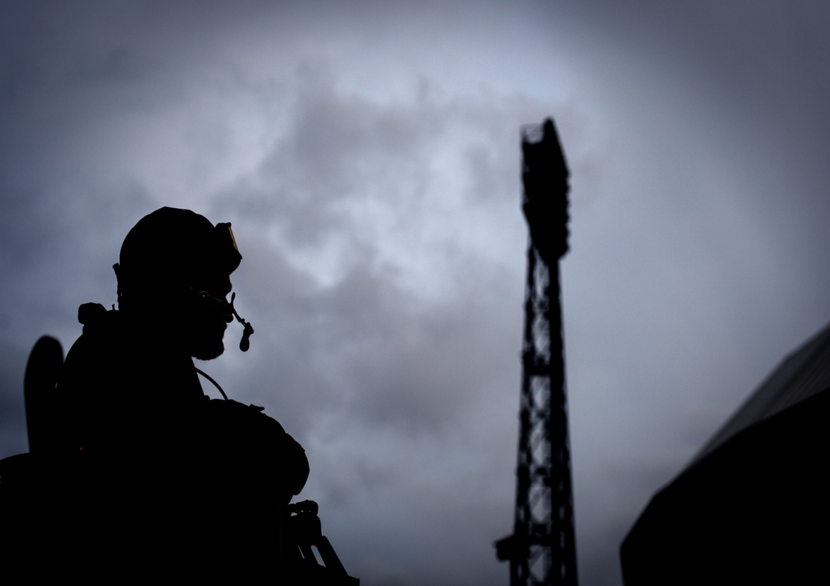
[[367, 154]]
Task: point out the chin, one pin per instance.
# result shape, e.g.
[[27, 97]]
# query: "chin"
[[209, 352]]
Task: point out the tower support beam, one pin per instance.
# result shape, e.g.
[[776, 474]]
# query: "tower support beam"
[[542, 548]]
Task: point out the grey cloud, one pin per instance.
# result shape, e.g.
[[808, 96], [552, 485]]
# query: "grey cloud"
[[417, 366], [405, 361], [388, 343]]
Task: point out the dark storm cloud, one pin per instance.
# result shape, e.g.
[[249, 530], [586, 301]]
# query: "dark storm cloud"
[[374, 358], [23, 242], [720, 270], [322, 380], [368, 158], [339, 148], [759, 71], [396, 354], [401, 360], [417, 367], [334, 144]]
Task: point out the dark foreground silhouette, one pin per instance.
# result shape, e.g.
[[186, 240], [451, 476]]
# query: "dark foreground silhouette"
[[752, 507], [133, 472]]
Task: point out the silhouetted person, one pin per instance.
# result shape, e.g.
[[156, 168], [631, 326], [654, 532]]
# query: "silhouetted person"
[[162, 480]]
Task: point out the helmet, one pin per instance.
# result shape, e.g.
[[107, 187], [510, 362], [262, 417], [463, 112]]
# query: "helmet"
[[172, 250]]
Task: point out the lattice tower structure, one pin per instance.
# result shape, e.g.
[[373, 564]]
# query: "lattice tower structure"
[[542, 549]]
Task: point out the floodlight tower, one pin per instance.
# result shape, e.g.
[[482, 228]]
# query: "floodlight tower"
[[542, 548]]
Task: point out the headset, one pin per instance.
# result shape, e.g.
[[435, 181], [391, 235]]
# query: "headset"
[[227, 306]]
